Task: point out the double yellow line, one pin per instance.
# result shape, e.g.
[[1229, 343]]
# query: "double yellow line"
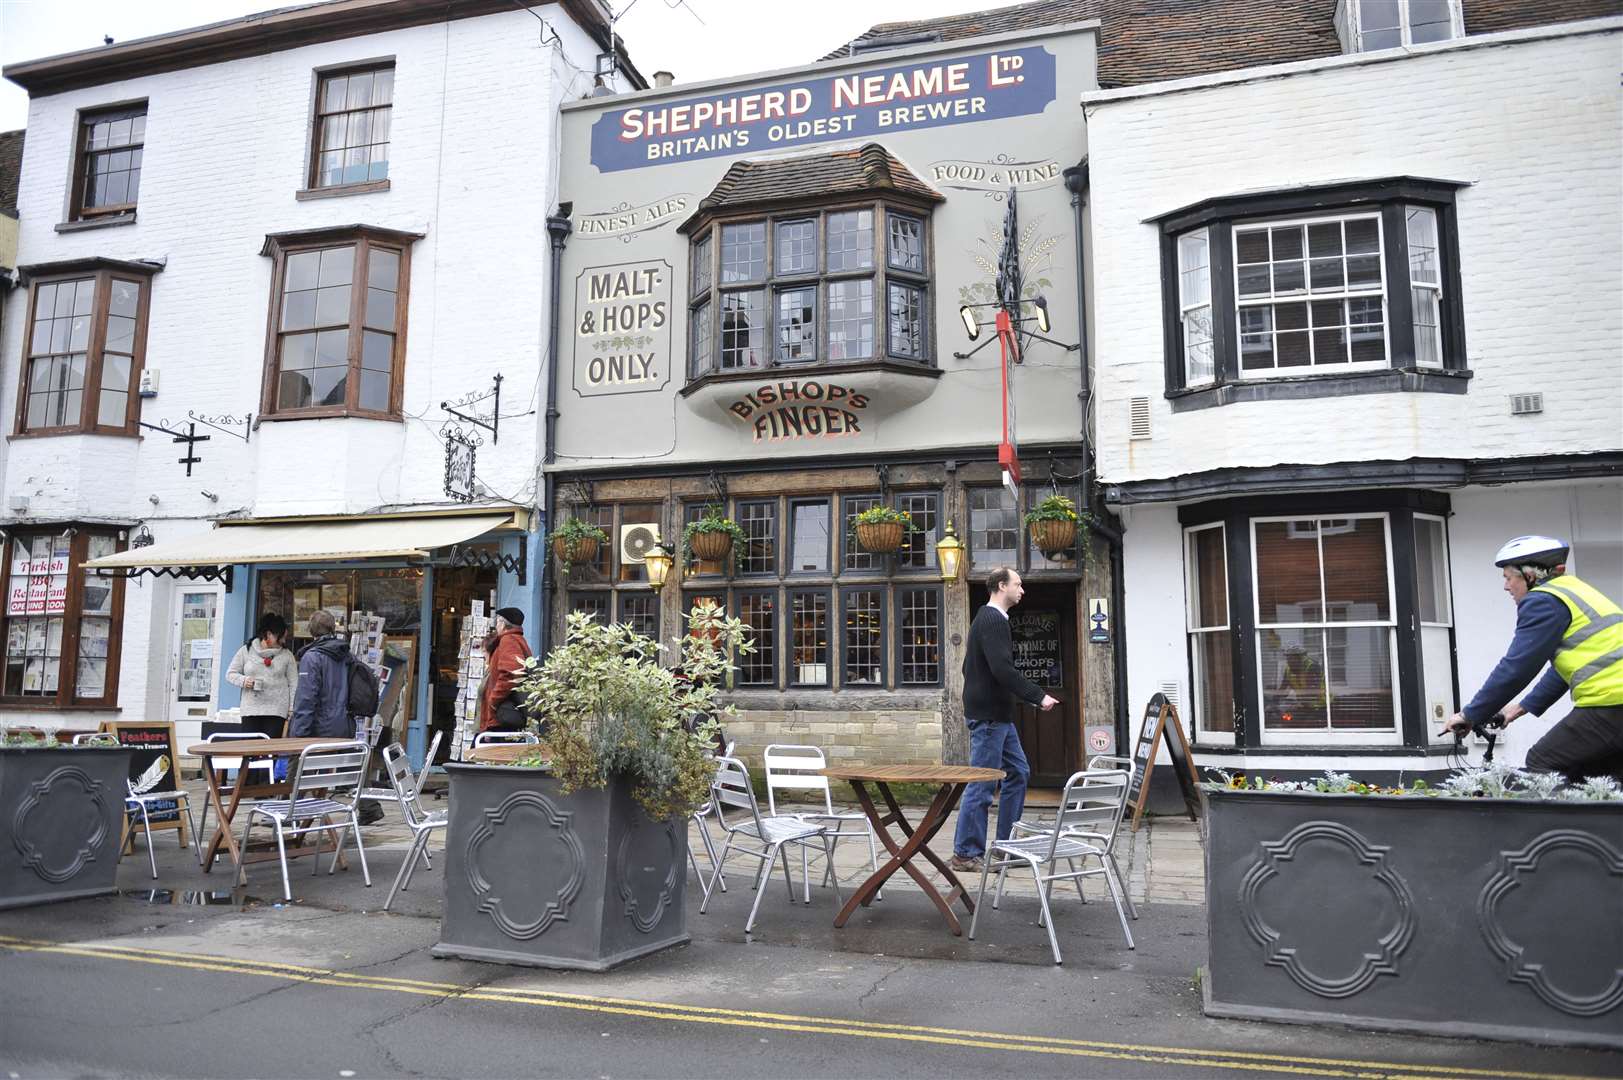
[[770, 1021]]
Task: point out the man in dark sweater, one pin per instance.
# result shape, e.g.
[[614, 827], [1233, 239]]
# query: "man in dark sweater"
[[991, 682]]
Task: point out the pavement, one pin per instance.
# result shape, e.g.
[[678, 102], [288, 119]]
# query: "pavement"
[[187, 976]]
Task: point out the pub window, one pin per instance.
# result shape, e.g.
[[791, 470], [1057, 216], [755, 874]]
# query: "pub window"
[[594, 604], [1211, 650], [809, 539], [599, 570], [339, 315], [62, 626], [701, 265], [107, 169], [863, 629], [797, 246], [907, 321], [83, 353], [743, 329], [759, 613], [640, 611], [351, 127], [797, 325], [994, 527], [809, 643], [759, 520], [918, 635], [918, 548], [853, 557]]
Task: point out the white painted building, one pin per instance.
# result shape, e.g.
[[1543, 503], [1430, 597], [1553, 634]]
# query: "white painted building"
[[1356, 323], [196, 212]]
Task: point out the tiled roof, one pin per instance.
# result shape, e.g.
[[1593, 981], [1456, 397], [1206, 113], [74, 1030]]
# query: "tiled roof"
[[867, 168], [11, 168], [1144, 41]]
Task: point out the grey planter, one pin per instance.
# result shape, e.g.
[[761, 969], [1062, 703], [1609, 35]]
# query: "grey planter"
[[61, 819], [1487, 918], [537, 877]]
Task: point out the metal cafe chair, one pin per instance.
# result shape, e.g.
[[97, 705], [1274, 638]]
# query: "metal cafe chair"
[[1025, 828], [731, 791], [225, 764], [422, 823], [701, 818], [325, 782], [1093, 801], [143, 793], [795, 768], [387, 794]]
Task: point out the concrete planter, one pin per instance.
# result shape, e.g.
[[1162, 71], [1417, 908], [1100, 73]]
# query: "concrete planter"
[[1487, 918], [61, 818], [537, 877]]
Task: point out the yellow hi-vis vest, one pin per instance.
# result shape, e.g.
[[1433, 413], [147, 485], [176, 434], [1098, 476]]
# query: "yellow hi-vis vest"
[[1590, 657]]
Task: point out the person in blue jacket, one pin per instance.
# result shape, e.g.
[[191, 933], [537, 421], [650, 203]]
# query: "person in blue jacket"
[[321, 703]]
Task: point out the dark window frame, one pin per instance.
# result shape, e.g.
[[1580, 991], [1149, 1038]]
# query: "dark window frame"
[[900, 592], [884, 634], [72, 617], [793, 532], [776, 569], [1388, 198], [279, 248], [791, 675], [621, 596], [315, 147], [83, 155], [736, 600]]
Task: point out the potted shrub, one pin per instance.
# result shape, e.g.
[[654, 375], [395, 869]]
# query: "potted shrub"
[[574, 855], [1488, 907], [575, 542], [712, 537], [881, 529], [63, 808], [1053, 525]]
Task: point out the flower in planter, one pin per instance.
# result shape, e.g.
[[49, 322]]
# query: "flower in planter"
[[711, 524], [1494, 781], [612, 710], [1053, 525], [576, 541], [882, 529]]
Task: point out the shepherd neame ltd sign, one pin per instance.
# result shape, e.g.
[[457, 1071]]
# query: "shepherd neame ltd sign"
[[957, 90]]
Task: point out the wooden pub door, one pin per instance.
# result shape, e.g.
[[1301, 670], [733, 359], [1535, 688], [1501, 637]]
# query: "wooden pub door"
[[1043, 626]]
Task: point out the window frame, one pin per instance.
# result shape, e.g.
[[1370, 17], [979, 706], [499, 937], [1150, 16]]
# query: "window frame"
[[312, 187], [83, 120], [899, 594], [279, 248], [736, 599], [795, 502], [845, 592], [103, 272], [1388, 199], [830, 611], [1353, 28], [72, 615], [1198, 718]]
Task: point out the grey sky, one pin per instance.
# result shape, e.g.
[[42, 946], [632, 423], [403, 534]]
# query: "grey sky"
[[735, 36]]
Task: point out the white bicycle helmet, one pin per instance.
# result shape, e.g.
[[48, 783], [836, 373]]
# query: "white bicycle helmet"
[[1545, 551]]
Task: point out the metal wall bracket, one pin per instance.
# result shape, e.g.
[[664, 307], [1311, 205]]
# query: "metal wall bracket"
[[484, 560], [194, 573]]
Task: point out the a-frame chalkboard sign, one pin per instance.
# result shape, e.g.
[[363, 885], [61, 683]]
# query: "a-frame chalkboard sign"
[[1160, 724]]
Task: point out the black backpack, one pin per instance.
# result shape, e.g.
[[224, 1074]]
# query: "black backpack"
[[363, 690]]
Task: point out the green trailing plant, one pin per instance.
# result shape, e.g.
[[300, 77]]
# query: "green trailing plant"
[[611, 710], [713, 520], [884, 515], [572, 531]]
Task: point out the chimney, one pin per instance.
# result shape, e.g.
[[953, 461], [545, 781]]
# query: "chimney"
[[663, 79]]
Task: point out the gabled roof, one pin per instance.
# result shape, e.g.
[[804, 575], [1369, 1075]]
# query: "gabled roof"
[[867, 168], [1144, 41], [11, 168]]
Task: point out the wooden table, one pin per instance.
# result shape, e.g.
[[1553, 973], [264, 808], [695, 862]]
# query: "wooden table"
[[248, 750], [503, 753], [951, 780]]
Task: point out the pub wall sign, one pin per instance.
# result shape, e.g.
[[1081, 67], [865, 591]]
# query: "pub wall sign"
[[623, 328], [801, 409]]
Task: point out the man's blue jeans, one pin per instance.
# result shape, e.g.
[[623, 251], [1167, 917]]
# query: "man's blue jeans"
[[991, 746]]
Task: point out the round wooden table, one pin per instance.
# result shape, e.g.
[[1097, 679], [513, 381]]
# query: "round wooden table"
[[951, 780]]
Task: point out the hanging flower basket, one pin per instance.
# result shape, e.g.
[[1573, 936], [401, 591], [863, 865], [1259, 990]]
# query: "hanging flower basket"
[[575, 552], [710, 546], [1053, 537], [880, 537]]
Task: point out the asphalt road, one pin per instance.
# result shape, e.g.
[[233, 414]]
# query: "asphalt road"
[[142, 986]]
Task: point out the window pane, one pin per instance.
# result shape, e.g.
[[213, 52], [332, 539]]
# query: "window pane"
[[1208, 578], [808, 630], [850, 240], [743, 329], [918, 634], [1360, 663], [797, 325], [303, 270], [125, 298], [1355, 570], [640, 611], [112, 408], [1428, 337], [380, 308], [854, 557], [918, 548], [703, 341], [907, 321], [994, 527], [796, 247], [383, 269], [701, 264], [374, 391], [1377, 15], [377, 351], [810, 550], [1212, 656], [1431, 571], [1288, 583], [759, 520], [1294, 696], [759, 613], [906, 243], [594, 604], [697, 567], [850, 320], [864, 638], [743, 252]]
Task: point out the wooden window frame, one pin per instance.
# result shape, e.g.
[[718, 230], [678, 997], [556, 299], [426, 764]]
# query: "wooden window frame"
[[899, 594], [313, 147], [830, 652], [278, 247], [884, 591], [85, 118], [72, 614], [103, 272]]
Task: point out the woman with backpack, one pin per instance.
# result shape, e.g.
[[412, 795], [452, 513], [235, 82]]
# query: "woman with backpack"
[[265, 671]]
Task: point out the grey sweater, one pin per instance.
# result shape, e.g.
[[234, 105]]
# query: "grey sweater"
[[275, 694]]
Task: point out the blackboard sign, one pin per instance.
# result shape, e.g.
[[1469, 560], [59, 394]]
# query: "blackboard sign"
[[1143, 747], [152, 765], [1161, 721], [1037, 654]]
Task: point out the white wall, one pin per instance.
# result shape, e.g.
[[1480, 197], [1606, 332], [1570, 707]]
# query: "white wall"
[[1528, 121]]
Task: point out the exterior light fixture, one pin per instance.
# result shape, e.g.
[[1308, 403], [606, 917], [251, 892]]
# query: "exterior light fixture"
[[971, 326], [658, 562], [949, 554], [1042, 315]]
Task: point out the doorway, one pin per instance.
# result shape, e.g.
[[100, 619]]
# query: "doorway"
[[1043, 626], [194, 653]]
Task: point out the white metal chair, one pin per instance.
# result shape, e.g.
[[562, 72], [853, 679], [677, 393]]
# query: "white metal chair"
[[227, 764], [143, 792], [428, 761], [486, 738], [325, 782], [387, 794], [795, 768], [740, 815], [1093, 802], [422, 823], [1028, 828], [701, 818]]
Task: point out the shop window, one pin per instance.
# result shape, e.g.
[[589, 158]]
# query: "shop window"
[[338, 310], [809, 536], [62, 626], [353, 112], [863, 629], [697, 567], [918, 635], [759, 613], [83, 353], [808, 637], [600, 569], [1211, 656], [639, 522]]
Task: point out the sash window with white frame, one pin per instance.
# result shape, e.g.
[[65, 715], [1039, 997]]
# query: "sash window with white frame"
[[1211, 648]]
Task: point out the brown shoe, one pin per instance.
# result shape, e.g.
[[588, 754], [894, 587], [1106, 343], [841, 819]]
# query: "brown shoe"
[[962, 864]]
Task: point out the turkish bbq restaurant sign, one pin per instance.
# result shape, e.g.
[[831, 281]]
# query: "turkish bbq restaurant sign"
[[970, 119]]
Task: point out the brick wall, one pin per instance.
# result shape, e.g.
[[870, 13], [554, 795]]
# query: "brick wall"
[[903, 737]]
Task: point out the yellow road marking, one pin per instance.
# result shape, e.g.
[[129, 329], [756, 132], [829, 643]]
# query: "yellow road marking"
[[1193, 1057]]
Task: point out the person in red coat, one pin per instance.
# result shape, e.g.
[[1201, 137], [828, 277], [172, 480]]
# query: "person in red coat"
[[499, 707]]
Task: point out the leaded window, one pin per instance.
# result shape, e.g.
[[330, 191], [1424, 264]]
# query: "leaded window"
[[759, 613], [808, 641], [759, 520], [918, 635]]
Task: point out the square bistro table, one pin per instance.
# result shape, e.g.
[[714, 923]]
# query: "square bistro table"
[[951, 781], [247, 750]]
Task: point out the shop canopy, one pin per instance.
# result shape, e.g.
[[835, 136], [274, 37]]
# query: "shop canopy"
[[303, 541]]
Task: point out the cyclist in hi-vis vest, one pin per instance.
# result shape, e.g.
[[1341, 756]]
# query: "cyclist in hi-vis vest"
[[1579, 631]]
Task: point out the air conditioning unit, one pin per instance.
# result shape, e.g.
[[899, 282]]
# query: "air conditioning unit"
[[635, 540]]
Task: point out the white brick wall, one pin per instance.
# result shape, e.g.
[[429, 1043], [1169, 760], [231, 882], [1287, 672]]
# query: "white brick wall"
[[1529, 120]]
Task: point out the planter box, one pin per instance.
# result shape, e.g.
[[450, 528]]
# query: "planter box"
[[1487, 918], [537, 877], [61, 819]]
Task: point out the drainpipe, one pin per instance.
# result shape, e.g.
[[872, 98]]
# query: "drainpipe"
[[558, 230]]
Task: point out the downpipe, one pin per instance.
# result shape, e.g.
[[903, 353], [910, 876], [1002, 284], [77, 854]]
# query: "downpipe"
[[558, 231]]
